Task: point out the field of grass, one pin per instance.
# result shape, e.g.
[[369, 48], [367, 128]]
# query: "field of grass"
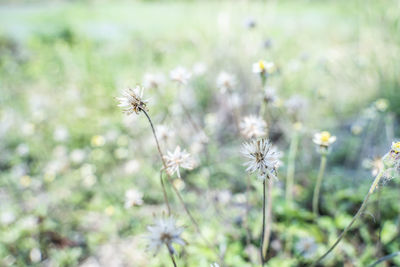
[[69, 157]]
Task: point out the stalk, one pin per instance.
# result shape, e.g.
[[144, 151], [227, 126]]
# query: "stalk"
[[171, 254], [172, 184], [267, 232], [291, 167], [263, 228], [318, 185], [359, 212], [165, 194]]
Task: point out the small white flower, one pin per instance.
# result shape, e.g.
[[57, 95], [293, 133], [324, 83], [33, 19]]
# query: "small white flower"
[[77, 156], [132, 101], [264, 68], [226, 81], [164, 132], [178, 159], [324, 139], [151, 80], [253, 126], [133, 198], [262, 158], [270, 95], [295, 105], [180, 75], [35, 255], [199, 68], [22, 150], [164, 232], [61, 134]]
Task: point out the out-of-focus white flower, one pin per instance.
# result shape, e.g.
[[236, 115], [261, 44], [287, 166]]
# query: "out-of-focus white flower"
[[295, 105], [180, 75], [131, 166], [133, 198], [307, 247], [132, 101], [263, 67], [261, 158], [28, 129], [381, 104], [7, 217], [60, 134], [22, 150], [163, 132], [164, 232], [226, 81], [356, 129], [77, 156], [178, 159], [214, 264], [35, 255], [270, 95], [151, 80], [250, 23], [375, 165], [199, 68], [253, 126], [324, 139]]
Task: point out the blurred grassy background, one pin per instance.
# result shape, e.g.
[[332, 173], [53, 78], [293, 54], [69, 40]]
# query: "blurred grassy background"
[[68, 155]]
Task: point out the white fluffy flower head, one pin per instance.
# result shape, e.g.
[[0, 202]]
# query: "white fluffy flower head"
[[151, 80], [132, 101], [133, 198], [253, 126], [262, 158], [178, 159], [180, 75], [164, 232], [225, 81]]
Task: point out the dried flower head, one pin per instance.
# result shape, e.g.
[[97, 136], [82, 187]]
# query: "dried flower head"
[[133, 198], [164, 132], [270, 95], [164, 232], [132, 101], [226, 81], [295, 105], [262, 158], [178, 159], [375, 165], [253, 126], [180, 75], [151, 80], [264, 68], [324, 139]]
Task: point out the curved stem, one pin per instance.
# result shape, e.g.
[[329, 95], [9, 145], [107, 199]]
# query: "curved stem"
[[388, 257], [165, 194], [359, 212], [172, 184], [267, 232], [291, 168], [318, 185]]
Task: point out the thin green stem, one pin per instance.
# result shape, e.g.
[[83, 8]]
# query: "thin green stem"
[[263, 227], [171, 254], [359, 212], [317, 188], [291, 167], [172, 184], [247, 226], [165, 194], [386, 258], [267, 232]]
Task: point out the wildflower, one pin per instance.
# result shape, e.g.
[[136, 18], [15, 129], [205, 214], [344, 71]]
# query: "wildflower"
[[61, 134], [180, 75], [225, 81], [250, 23], [375, 165], [199, 68], [270, 95], [153, 80], [35, 255], [163, 132], [307, 247], [164, 232], [264, 68], [133, 198], [132, 101], [381, 104], [253, 126], [295, 105], [324, 139], [178, 159], [262, 158], [391, 161]]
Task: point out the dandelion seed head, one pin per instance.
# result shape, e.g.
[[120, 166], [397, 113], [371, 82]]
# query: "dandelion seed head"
[[132, 101], [225, 81], [178, 159], [262, 158], [253, 126], [180, 75], [164, 232]]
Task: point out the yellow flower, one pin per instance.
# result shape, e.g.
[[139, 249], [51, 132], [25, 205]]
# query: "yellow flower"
[[396, 147], [324, 139]]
